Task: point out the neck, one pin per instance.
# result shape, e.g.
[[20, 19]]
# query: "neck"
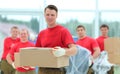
[[82, 37], [13, 37], [105, 35], [24, 41], [51, 26]]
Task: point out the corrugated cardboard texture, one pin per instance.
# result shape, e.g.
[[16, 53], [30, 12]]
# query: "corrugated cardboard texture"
[[41, 57], [17, 59], [112, 46]]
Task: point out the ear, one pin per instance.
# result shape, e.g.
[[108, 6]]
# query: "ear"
[[56, 15]]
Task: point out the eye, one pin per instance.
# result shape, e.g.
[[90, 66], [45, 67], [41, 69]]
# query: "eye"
[[52, 15], [47, 14]]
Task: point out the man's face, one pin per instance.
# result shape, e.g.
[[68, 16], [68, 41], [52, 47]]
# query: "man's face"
[[50, 16], [81, 32], [14, 33], [24, 35], [104, 30]]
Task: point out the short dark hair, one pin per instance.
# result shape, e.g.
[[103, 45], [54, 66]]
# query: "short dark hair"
[[104, 25], [80, 26], [52, 7], [14, 27]]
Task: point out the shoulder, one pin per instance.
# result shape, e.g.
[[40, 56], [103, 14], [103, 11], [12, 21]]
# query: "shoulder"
[[7, 39], [42, 32], [62, 27], [90, 38], [98, 37]]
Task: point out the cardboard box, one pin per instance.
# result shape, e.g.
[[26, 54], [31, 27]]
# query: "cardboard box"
[[41, 57], [112, 46]]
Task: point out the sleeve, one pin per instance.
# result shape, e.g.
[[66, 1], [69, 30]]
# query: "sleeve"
[[98, 41], [6, 45], [67, 37], [94, 43], [38, 42], [12, 51]]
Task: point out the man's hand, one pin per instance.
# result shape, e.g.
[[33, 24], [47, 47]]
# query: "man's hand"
[[13, 65], [58, 51]]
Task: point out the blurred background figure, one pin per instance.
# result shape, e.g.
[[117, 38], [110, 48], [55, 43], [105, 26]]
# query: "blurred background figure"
[[24, 42], [9, 43], [87, 42], [104, 34]]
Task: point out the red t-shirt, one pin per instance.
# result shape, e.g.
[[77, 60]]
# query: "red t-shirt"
[[16, 48], [88, 43], [100, 41], [8, 44], [56, 36]]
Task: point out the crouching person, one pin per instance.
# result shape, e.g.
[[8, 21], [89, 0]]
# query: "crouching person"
[[22, 44]]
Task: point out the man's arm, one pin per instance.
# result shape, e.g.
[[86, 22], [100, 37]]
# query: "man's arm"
[[96, 52], [9, 60], [72, 50], [58, 51]]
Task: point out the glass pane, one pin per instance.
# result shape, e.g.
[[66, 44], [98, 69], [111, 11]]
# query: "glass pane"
[[2, 36], [80, 16], [72, 19], [22, 21], [21, 4], [73, 4], [109, 4], [110, 16]]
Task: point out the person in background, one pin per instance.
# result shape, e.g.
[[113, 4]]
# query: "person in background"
[[104, 28], [22, 44], [55, 35], [9, 42], [87, 42], [104, 34]]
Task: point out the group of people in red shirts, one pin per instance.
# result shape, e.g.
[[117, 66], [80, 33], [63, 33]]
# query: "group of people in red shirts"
[[95, 46], [54, 35], [11, 46]]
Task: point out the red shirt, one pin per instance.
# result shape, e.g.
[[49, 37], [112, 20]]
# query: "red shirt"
[[16, 48], [100, 41], [88, 43], [8, 44], [56, 36]]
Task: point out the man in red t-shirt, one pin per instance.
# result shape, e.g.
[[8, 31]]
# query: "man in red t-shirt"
[[22, 44], [55, 35], [104, 34], [9, 42], [87, 42]]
